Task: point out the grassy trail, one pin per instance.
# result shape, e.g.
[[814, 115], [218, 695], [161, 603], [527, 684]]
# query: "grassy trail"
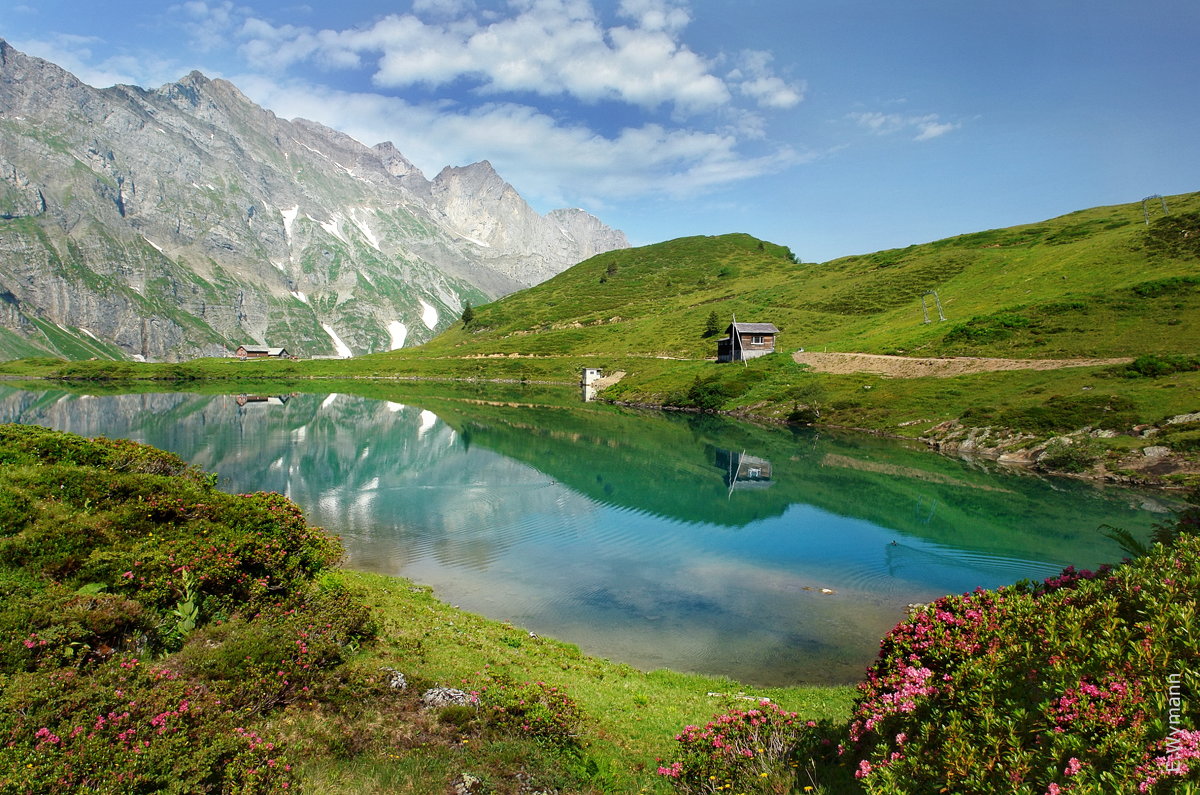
[[937, 367]]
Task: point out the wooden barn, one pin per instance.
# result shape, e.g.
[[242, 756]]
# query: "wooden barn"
[[746, 341], [261, 352]]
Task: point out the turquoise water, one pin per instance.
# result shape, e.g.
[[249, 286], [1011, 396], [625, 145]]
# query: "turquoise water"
[[675, 541]]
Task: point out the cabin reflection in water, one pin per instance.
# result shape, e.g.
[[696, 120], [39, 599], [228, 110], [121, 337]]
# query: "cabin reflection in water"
[[270, 400], [744, 471]]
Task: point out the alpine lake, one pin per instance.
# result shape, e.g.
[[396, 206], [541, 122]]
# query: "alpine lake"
[[663, 540]]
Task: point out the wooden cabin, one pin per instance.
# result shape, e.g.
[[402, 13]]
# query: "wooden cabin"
[[261, 352], [746, 341]]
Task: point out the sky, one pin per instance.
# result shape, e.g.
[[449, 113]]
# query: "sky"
[[833, 127]]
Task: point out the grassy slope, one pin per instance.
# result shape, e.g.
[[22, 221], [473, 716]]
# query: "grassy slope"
[[1071, 279], [631, 717]]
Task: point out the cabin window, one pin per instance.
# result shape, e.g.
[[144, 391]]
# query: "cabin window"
[[757, 339]]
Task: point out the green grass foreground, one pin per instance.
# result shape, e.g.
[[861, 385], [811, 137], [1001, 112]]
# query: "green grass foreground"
[[630, 718]]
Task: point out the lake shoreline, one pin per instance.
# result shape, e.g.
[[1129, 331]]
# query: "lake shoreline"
[[1160, 469], [1012, 452]]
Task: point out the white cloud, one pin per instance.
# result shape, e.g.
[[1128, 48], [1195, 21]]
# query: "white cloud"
[[754, 79], [209, 24], [445, 8], [545, 47], [930, 127], [656, 14], [923, 128]]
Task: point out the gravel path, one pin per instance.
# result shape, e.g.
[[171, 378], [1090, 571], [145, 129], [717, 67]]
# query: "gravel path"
[[911, 367]]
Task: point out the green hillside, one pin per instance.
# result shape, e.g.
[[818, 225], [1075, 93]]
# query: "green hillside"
[[1098, 282]]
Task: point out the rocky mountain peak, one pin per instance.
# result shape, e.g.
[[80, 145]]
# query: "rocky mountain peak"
[[394, 162], [211, 223]]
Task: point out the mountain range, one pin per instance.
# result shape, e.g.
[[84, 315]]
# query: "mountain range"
[[184, 221]]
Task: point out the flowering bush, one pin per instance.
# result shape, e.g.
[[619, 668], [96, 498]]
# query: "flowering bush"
[[163, 542], [1084, 683], [112, 555], [128, 726], [533, 709], [278, 657], [753, 750], [32, 444]]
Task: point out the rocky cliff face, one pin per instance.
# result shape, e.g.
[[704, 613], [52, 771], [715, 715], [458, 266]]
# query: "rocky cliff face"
[[186, 220]]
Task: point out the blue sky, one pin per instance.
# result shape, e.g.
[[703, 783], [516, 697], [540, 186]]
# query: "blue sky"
[[831, 126]]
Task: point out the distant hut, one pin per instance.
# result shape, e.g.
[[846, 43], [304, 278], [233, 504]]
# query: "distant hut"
[[746, 341], [261, 352]]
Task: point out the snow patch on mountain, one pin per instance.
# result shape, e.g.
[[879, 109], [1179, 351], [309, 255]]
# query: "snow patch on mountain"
[[398, 332], [429, 315], [366, 230], [343, 350], [289, 217], [333, 227]]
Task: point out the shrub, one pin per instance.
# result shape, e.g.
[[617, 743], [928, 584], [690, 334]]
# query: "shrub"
[[530, 709], [707, 395], [1070, 455], [46, 626], [32, 444], [16, 510], [114, 553], [1182, 440], [1154, 366], [1071, 412], [750, 750], [268, 660], [1075, 684], [1175, 235], [129, 727], [984, 330], [804, 415]]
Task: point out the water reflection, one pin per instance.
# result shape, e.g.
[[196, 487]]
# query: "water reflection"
[[744, 471], [660, 540]]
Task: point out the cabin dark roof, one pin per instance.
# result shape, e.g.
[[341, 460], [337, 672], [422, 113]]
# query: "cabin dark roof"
[[262, 349], [754, 328]]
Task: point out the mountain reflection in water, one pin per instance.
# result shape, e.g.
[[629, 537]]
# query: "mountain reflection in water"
[[687, 542]]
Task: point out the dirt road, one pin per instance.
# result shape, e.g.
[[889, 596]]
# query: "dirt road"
[[911, 367]]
